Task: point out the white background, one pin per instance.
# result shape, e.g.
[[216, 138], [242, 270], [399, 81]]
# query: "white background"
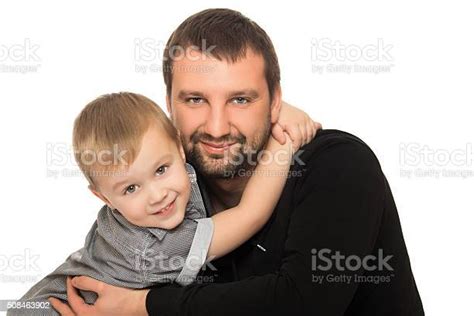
[[78, 51]]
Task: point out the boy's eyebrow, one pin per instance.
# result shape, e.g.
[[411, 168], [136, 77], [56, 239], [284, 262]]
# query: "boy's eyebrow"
[[119, 184]]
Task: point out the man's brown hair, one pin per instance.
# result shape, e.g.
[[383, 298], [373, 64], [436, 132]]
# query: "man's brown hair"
[[227, 34]]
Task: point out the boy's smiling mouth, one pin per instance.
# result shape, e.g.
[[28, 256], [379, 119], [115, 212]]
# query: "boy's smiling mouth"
[[166, 210]]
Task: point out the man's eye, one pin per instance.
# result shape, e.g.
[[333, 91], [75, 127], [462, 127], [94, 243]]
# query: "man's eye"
[[195, 100], [240, 100], [130, 189], [161, 170]]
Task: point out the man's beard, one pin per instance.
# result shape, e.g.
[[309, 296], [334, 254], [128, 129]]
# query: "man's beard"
[[234, 161]]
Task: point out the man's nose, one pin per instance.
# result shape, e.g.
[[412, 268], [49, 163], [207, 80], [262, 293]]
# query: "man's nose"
[[217, 122]]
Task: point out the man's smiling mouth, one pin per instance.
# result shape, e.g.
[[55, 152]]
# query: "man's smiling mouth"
[[214, 148]]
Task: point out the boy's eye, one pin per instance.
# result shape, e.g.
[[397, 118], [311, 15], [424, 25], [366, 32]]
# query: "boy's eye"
[[161, 170], [240, 100], [130, 189]]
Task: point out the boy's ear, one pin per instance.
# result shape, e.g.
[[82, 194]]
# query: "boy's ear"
[[100, 196], [181, 149], [275, 107]]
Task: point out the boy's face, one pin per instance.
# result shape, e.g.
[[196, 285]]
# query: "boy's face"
[[154, 190]]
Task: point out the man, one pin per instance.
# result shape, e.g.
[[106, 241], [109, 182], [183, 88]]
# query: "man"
[[334, 244]]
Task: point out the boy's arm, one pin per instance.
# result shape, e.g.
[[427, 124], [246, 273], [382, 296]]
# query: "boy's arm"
[[297, 123], [234, 226]]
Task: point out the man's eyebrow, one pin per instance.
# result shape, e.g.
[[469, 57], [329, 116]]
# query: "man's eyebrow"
[[182, 94], [247, 92]]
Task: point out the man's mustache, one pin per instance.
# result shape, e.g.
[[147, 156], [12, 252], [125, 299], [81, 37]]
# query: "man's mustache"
[[198, 136]]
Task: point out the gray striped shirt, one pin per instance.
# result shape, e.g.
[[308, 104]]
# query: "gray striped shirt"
[[122, 254]]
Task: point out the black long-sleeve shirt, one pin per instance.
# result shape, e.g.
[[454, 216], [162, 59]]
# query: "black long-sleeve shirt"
[[335, 213]]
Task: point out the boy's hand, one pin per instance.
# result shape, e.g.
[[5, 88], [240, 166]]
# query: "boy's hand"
[[297, 124], [274, 146]]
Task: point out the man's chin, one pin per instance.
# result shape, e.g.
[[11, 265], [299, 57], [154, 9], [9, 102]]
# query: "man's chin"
[[216, 169], [219, 166]]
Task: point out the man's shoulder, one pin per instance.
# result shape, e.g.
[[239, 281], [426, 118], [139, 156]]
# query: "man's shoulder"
[[335, 153], [332, 142], [327, 137]]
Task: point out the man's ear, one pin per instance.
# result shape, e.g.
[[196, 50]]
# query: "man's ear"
[[100, 196], [275, 107]]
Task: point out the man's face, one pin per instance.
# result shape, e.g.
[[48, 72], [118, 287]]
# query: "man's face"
[[154, 190], [222, 111]]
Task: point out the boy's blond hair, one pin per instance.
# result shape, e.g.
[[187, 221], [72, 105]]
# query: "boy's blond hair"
[[109, 130]]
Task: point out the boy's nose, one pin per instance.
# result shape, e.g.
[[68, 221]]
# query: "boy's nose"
[[157, 196]]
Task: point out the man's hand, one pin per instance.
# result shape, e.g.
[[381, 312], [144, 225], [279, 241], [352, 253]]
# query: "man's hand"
[[111, 300], [296, 123]]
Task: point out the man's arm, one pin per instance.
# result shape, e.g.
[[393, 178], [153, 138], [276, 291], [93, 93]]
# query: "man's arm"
[[338, 206]]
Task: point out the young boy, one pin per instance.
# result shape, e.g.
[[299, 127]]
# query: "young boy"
[[153, 227]]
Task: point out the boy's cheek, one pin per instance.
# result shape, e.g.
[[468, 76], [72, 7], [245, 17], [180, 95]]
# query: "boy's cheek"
[[134, 218], [128, 210]]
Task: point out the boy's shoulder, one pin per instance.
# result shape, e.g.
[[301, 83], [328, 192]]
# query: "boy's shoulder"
[[195, 208], [191, 172]]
